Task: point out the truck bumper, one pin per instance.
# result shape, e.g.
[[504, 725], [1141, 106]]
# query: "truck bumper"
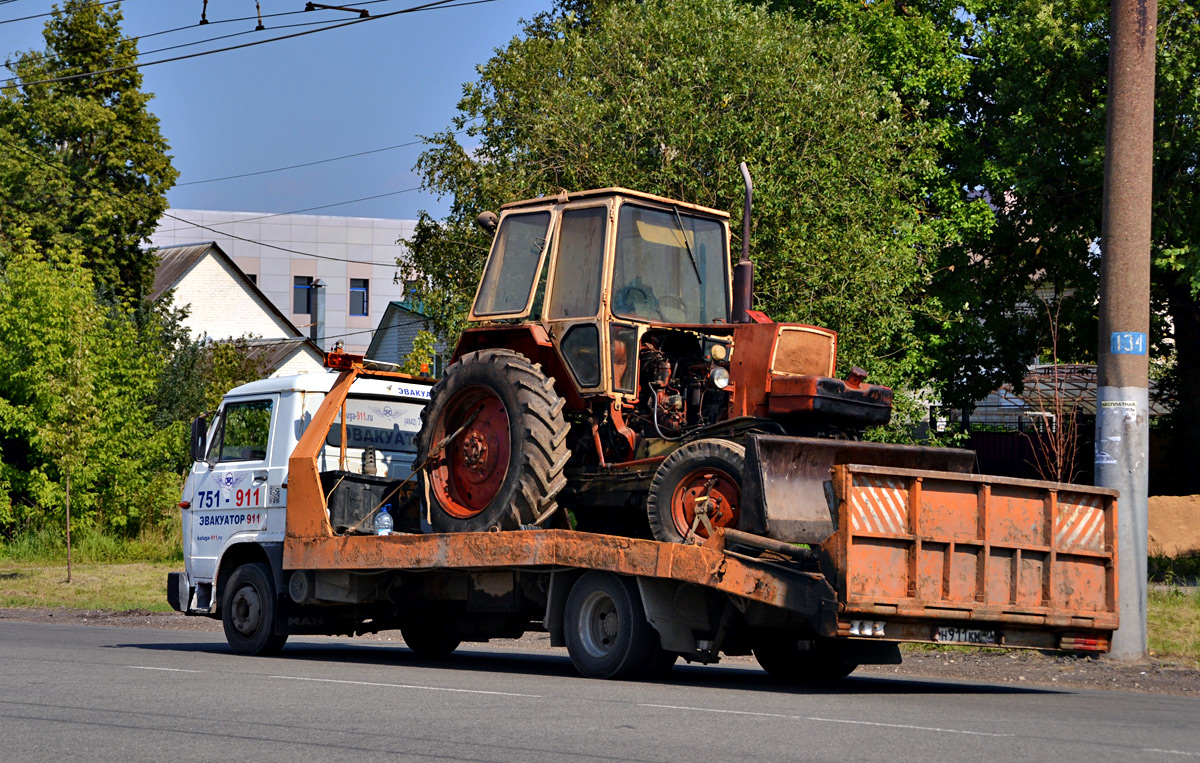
[[179, 594]]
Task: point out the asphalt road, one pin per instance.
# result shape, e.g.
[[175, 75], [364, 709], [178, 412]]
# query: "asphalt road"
[[133, 694]]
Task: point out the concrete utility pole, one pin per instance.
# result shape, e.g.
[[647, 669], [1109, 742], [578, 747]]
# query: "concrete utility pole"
[[1122, 431]]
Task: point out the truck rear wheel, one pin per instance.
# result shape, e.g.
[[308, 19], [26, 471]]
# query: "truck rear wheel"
[[781, 656], [428, 636], [503, 465], [606, 630], [701, 473], [248, 611]]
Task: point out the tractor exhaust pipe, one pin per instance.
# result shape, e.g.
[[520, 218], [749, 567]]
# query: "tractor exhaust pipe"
[[743, 272]]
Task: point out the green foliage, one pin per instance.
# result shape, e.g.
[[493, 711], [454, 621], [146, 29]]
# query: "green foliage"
[[154, 543], [75, 382], [668, 97], [90, 172], [423, 351]]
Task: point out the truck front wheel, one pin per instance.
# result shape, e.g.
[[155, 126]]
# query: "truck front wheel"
[[248, 611], [494, 444], [606, 630]]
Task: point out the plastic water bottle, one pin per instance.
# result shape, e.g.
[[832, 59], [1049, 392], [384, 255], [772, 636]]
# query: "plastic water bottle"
[[383, 521]]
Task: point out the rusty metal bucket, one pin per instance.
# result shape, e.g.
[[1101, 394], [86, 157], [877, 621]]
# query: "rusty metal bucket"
[[786, 489]]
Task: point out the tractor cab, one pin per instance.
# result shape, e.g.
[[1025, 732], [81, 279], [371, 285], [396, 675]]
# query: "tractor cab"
[[598, 269]]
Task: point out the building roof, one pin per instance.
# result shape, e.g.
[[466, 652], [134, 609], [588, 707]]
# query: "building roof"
[[1074, 385], [175, 261], [273, 352]]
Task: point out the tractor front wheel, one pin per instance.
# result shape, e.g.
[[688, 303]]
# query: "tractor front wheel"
[[702, 477], [493, 441]]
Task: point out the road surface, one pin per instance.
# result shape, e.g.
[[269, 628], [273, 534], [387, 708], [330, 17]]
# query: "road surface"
[[133, 694]]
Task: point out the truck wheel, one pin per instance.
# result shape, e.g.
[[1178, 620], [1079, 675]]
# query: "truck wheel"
[[248, 611], [504, 466], [606, 629], [704, 470], [427, 636], [781, 656]]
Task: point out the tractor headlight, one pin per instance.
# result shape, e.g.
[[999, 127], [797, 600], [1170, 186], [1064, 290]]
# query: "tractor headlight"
[[719, 378]]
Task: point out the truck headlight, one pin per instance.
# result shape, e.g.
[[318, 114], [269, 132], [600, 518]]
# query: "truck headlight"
[[719, 378]]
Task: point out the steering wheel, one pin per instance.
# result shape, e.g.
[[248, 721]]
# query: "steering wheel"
[[672, 301]]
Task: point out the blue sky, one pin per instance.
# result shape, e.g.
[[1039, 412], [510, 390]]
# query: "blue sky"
[[337, 92]]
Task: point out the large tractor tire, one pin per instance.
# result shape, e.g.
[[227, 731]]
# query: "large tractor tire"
[[502, 466], [701, 473]]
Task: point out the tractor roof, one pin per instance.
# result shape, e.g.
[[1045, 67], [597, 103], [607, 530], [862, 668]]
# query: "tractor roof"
[[565, 197]]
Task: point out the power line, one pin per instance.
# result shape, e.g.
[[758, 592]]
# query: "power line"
[[323, 206], [414, 9], [68, 173], [51, 13], [193, 43], [307, 164]]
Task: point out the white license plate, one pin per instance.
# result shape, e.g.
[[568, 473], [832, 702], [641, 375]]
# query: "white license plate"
[[964, 636]]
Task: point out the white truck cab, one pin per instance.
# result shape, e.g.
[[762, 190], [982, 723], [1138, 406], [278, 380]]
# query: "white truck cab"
[[236, 492]]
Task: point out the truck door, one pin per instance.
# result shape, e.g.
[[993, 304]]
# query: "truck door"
[[231, 487]]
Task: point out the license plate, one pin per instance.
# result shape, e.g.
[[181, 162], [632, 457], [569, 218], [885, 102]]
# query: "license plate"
[[964, 636]]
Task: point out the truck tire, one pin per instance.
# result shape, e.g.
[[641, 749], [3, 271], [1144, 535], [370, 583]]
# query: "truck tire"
[[606, 630], [504, 467], [428, 636], [781, 656], [248, 611], [704, 469]]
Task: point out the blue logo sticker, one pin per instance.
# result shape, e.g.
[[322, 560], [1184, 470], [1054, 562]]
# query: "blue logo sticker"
[[1128, 343]]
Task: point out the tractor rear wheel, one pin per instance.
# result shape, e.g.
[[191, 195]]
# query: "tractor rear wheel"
[[502, 437], [705, 474]]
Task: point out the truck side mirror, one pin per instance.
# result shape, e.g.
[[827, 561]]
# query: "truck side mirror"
[[199, 434]]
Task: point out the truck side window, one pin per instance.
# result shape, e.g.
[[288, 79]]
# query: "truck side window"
[[243, 432]]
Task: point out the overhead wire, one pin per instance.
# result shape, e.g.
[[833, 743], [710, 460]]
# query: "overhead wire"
[[51, 13], [308, 164], [63, 170], [113, 69], [75, 51]]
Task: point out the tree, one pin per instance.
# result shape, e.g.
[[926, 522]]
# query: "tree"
[[76, 379], [84, 165], [668, 97]]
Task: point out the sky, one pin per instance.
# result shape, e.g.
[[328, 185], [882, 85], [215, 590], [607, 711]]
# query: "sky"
[[360, 88]]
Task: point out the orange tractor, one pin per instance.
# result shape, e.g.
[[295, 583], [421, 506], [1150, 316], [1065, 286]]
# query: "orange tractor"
[[614, 366]]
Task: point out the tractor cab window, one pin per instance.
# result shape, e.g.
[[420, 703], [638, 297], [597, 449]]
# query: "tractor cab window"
[[513, 266], [670, 267], [576, 292]]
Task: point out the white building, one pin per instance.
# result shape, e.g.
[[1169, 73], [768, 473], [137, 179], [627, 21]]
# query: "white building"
[[223, 304], [284, 255]]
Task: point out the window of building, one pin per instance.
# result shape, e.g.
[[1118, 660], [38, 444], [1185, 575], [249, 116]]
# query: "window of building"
[[302, 295], [359, 296]]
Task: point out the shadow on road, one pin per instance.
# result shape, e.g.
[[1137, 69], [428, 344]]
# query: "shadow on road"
[[556, 664]]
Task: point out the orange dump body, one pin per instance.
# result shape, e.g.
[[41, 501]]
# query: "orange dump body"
[[1017, 559]]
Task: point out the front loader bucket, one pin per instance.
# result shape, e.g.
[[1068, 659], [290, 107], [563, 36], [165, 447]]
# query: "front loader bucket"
[[786, 489]]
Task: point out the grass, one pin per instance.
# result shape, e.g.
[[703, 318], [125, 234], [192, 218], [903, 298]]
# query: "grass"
[[1173, 623], [154, 544], [135, 585]]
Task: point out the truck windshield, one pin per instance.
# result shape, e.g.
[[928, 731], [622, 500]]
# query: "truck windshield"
[[670, 267], [385, 425]]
